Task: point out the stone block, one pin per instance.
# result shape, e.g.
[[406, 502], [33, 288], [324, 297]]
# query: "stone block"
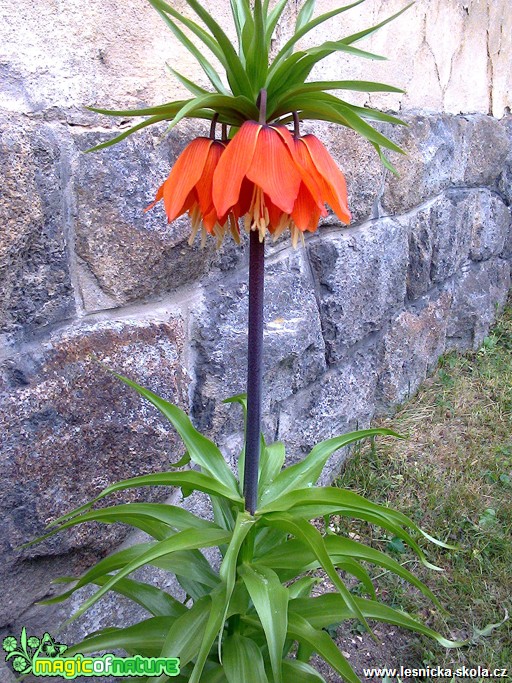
[[341, 401], [479, 291], [35, 282], [432, 145], [444, 151], [446, 232], [492, 225], [70, 429], [361, 280], [294, 352], [411, 347]]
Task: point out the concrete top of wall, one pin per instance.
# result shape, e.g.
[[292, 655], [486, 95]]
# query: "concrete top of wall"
[[449, 55]]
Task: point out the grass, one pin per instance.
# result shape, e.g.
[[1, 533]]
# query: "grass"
[[453, 476]]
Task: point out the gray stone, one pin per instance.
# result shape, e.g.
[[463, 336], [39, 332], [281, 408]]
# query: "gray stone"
[[341, 401], [485, 148], [35, 284], [294, 353], [439, 240], [432, 144], [444, 151], [126, 254], [411, 347], [456, 226], [480, 290], [361, 279], [70, 429], [492, 225]]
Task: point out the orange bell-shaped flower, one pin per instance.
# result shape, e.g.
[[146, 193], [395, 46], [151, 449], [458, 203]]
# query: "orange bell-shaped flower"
[[189, 189], [278, 181]]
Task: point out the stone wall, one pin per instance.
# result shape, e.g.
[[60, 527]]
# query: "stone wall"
[[355, 319]]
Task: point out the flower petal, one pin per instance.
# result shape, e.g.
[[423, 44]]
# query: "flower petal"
[[205, 182], [232, 167], [184, 175], [274, 170], [334, 185]]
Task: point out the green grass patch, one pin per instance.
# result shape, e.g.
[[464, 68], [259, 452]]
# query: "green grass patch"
[[453, 476]]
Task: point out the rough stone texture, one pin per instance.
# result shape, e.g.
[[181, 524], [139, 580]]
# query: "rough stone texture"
[[69, 429], [353, 323], [480, 289], [35, 285], [341, 401], [361, 277], [412, 345], [445, 232], [294, 347], [442, 152]]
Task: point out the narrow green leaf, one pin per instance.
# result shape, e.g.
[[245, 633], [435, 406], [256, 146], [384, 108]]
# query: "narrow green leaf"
[[223, 513], [126, 133], [355, 86], [239, 11], [242, 660], [184, 637], [305, 14], [192, 87], [183, 540], [188, 479], [301, 672], [312, 538], [169, 109], [308, 470], [300, 629], [146, 637], [214, 624], [155, 600], [100, 569], [267, 539], [328, 609], [205, 64], [328, 107], [366, 32], [329, 500], [302, 587], [384, 160], [273, 18], [285, 50], [270, 599], [227, 571], [171, 515], [271, 462], [256, 57], [240, 84], [197, 30], [202, 451]]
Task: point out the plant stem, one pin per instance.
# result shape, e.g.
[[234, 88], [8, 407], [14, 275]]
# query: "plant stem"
[[254, 370]]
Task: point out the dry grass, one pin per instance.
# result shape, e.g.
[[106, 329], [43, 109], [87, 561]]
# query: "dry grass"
[[454, 477]]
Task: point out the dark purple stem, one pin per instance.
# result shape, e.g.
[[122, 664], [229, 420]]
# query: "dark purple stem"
[[254, 370]]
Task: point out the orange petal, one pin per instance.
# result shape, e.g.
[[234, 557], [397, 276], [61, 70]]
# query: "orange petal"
[[334, 184], [305, 212], [184, 175], [205, 182], [274, 170], [158, 197], [232, 167]]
